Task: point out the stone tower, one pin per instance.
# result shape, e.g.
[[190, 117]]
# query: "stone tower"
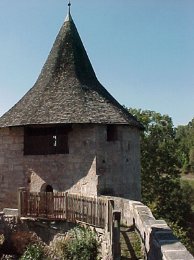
[[68, 133]]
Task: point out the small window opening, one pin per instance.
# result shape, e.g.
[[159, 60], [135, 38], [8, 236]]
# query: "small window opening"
[[112, 134]]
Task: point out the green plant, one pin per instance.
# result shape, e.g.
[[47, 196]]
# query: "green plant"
[[82, 244], [33, 252], [78, 244], [161, 163], [57, 248]]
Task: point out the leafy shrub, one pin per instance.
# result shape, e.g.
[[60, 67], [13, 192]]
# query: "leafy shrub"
[[57, 248], [78, 244], [82, 244], [33, 252]]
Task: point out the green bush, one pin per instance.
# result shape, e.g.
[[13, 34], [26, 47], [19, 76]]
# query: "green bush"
[[82, 244], [57, 248], [78, 244], [33, 252]]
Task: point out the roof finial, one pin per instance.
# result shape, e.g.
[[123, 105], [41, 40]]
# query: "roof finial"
[[68, 18], [69, 4]]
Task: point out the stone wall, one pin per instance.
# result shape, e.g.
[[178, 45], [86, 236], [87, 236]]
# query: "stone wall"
[[157, 238], [11, 165], [118, 163], [93, 165], [75, 171]]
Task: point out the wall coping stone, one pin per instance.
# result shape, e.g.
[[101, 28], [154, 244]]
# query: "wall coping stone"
[[10, 212], [159, 241], [177, 255]]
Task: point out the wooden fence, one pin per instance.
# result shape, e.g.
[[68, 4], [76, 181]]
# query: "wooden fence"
[[64, 206]]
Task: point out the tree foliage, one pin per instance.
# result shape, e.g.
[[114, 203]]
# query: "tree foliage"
[[185, 138], [161, 188]]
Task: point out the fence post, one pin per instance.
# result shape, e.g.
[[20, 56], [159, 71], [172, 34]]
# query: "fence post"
[[66, 205], [20, 201], [116, 235], [109, 219], [109, 223]]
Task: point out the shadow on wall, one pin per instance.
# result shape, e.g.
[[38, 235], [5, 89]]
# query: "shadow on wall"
[[107, 191], [60, 171]]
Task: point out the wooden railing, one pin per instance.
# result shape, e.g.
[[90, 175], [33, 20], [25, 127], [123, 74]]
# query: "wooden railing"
[[97, 211], [64, 206]]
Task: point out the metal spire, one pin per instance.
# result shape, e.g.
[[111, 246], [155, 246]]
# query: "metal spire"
[[68, 18], [69, 4]]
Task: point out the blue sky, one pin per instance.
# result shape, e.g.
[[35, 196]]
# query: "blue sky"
[[142, 50]]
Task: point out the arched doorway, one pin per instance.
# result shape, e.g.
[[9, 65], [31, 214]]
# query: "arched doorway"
[[47, 200], [46, 188], [49, 188]]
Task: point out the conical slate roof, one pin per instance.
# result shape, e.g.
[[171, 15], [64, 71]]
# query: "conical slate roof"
[[67, 90]]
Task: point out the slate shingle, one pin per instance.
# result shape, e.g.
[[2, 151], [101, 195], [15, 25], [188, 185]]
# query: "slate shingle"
[[67, 90]]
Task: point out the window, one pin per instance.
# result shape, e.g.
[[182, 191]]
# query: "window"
[[112, 134], [46, 140]]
